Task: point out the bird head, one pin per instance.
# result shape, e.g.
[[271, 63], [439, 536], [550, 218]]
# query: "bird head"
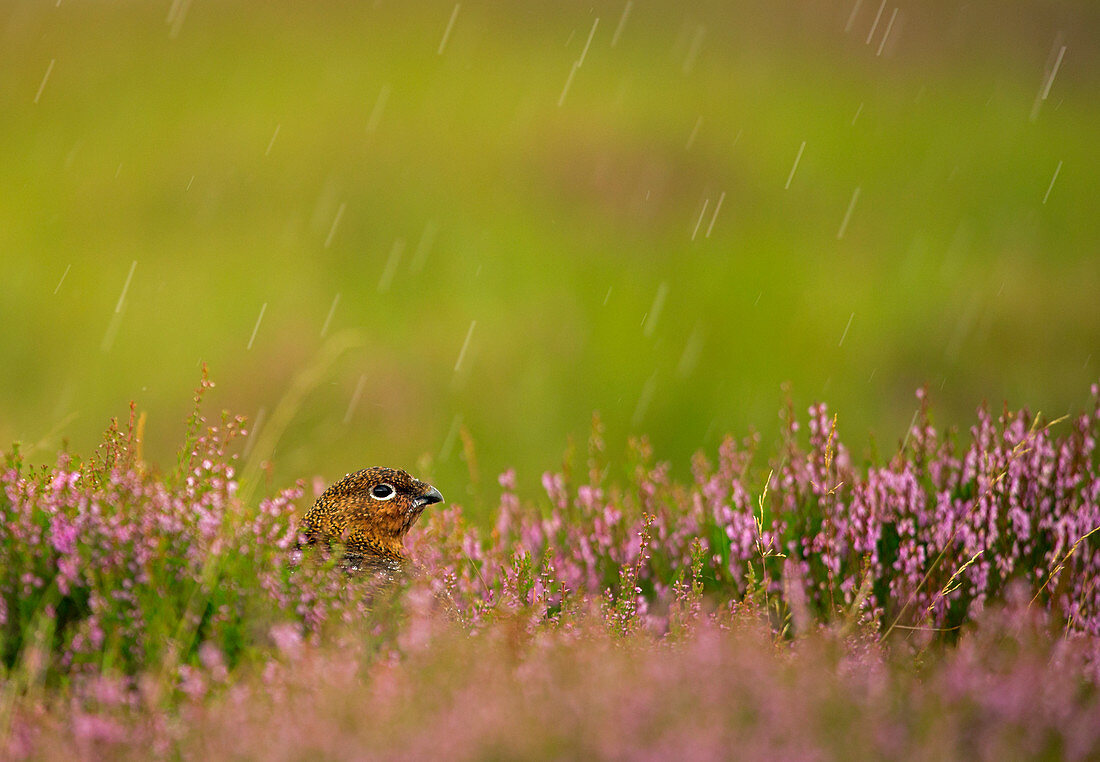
[[382, 501], [368, 512], [379, 503]]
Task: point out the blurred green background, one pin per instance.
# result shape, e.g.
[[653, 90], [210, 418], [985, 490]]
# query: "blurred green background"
[[499, 217]]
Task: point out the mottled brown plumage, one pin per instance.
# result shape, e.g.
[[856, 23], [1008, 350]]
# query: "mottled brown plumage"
[[368, 512]]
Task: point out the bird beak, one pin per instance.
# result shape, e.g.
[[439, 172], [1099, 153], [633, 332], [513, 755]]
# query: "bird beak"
[[429, 497]]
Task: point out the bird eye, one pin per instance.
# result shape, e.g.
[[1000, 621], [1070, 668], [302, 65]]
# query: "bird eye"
[[382, 492]]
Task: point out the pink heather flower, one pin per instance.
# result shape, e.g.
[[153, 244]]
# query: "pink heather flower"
[[192, 682], [68, 570], [587, 496], [287, 637], [63, 535], [96, 729], [210, 656], [554, 484]]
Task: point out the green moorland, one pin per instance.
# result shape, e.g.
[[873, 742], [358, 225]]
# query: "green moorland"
[[498, 217]]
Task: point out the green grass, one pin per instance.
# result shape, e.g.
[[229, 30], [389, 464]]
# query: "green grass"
[[152, 148]]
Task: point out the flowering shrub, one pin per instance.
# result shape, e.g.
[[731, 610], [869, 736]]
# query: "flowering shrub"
[[923, 541], [104, 563], [942, 604]]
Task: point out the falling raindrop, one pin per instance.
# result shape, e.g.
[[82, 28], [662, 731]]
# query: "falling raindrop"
[[844, 335], [874, 26], [111, 333], [622, 22], [189, 183], [256, 327], [392, 262], [852, 16], [70, 157], [1054, 62], [693, 49], [644, 400], [355, 398], [45, 77], [272, 141], [1053, 73], [797, 159], [568, 83], [886, 34], [693, 350], [909, 429], [694, 133], [331, 312], [335, 224], [607, 296], [591, 34], [717, 208], [699, 221], [465, 345], [125, 287], [654, 313], [447, 31], [176, 15], [63, 276], [1051, 186], [858, 112], [379, 107], [848, 214], [427, 238], [449, 440]]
